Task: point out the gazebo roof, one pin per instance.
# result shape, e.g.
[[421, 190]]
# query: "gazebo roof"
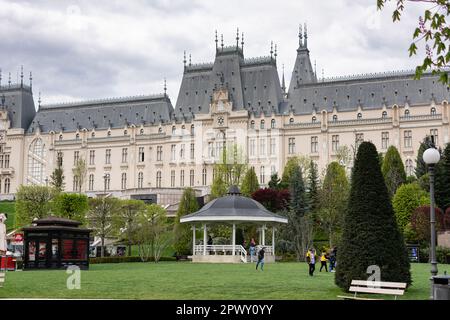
[[234, 207]]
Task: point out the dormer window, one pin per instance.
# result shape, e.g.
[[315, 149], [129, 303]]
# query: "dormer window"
[[384, 115], [273, 124], [359, 116], [335, 118], [262, 125], [60, 137], [433, 111], [141, 131], [252, 124], [291, 120], [77, 136], [173, 130], [160, 130], [406, 113], [109, 133], [314, 119], [93, 134], [192, 130], [125, 132]]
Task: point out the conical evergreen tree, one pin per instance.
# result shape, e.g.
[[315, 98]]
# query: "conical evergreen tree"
[[274, 182], [250, 183], [442, 185], [188, 204], [313, 187], [421, 167], [370, 233], [393, 170]]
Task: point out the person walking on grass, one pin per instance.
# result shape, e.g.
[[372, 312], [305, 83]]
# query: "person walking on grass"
[[252, 249], [333, 260], [260, 259], [311, 259], [323, 261]]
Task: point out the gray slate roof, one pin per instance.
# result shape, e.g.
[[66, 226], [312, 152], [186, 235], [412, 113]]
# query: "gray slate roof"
[[102, 114], [253, 84], [18, 101]]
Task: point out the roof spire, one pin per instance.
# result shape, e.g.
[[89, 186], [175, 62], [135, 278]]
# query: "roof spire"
[[237, 38], [271, 49], [184, 59], [283, 83], [276, 54], [31, 80], [165, 88], [39, 100], [190, 60], [242, 42], [221, 41], [306, 36], [300, 36], [9, 79], [315, 68], [21, 76], [216, 40]]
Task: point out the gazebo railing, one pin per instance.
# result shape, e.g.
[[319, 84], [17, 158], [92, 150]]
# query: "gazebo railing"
[[267, 249], [226, 249]]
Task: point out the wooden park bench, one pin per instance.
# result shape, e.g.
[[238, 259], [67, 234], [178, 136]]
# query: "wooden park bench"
[[372, 287], [2, 278]]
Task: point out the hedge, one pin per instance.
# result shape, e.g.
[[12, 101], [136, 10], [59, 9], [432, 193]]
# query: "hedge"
[[442, 255], [120, 259]]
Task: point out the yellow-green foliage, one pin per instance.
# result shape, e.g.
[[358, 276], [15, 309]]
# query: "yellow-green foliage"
[[407, 198]]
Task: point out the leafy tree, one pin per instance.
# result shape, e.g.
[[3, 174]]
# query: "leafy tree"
[[272, 199], [188, 204], [79, 173], [333, 201], [231, 166], [393, 170], [370, 233], [313, 187], [407, 198], [420, 222], [218, 187], [442, 183], [125, 219], [100, 217], [57, 178], [344, 155], [71, 206], [433, 31], [249, 183], [33, 202], [293, 164], [153, 234], [274, 182]]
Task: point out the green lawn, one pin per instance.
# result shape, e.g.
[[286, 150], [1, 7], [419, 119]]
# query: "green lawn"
[[8, 207], [185, 280]]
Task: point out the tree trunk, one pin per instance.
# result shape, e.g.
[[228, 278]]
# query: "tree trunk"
[[103, 247]]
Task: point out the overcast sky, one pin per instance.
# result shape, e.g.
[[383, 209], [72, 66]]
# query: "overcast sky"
[[80, 50]]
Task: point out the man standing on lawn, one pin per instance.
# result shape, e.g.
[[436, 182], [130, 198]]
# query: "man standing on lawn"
[[311, 259], [260, 259]]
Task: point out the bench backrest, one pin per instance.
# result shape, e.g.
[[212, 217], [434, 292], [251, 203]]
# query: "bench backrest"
[[378, 287], [2, 278]]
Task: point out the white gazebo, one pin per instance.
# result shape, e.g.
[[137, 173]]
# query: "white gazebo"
[[233, 209]]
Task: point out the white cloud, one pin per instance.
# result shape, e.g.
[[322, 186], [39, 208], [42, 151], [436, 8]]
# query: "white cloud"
[[84, 49]]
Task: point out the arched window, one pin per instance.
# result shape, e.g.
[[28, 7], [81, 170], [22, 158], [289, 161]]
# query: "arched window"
[[314, 119], [36, 162], [141, 131], [91, 182], [384, 115], [407, 113], [359, 116], [192, 130], [273, 124], [433, 111], [107, 181], [173, 130], [60, 137], [125, 132], [160, 130], [109, 133], [252, 124], [140, 180], [7, 185], [262, 124], [335, 118], [291, 120]]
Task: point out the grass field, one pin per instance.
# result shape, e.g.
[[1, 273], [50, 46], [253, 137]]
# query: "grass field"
[[8, 207], [185, 280]]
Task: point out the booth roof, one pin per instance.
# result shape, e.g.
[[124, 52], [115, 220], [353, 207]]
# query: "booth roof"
[[233, 207]]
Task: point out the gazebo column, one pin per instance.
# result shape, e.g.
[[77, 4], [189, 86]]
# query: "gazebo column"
[[234, 238], [263, 232], [204, 239], [193, 239], [273, 240]]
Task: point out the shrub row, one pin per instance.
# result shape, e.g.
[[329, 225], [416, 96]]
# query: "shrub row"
[[119, 259], [442, 255]]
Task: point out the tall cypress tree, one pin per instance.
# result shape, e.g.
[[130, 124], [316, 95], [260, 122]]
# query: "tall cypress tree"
[[421, 167], [313, 187], [370, 233], [250, 183], [442, 185], [393, 170]]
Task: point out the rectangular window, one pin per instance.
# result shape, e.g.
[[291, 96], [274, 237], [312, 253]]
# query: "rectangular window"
[[262, 175], [384, 140], [76, 157], [252, 147], [92, 157], [60, 158], [182, 152], [1, 161], [262, 147], [172, 178], [434, 136], [335, 143], [6, 160], [291, 149], [141, 154], [159, 153], [124, 155], [408, 138], [172, 152], [204, 176], [210, 150], [191, 178], [124, 181], [91, 182], [182, 178], [108, 156], [314, 144], [158, 179], [272, 146], [192, 151]]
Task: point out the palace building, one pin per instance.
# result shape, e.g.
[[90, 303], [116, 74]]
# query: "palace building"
[[145, 147]]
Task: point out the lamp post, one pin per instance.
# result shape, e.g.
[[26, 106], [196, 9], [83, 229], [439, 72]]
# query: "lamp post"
[[431, 157]]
